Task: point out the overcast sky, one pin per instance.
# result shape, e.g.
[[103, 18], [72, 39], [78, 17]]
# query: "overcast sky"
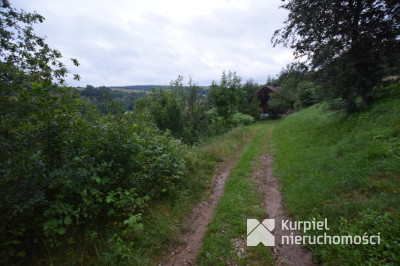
[[137, 42]]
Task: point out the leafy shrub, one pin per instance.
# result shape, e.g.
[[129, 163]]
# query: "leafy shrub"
[[216, 124], [65, 173], [242, 119]]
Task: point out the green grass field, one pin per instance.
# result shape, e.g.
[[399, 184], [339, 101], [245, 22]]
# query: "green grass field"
[[334, 165]]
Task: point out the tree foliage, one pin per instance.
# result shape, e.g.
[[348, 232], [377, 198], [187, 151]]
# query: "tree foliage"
[[290, 94], [254, 109], [24, 56], [288, 79], [249, 88], [307, 94], [226, 95], [167, 109], [354, 43], [66, 169], [192, 116], [66, 173]]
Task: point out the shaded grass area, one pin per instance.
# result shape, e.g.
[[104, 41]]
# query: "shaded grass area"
[[240, 202], [334, 165]]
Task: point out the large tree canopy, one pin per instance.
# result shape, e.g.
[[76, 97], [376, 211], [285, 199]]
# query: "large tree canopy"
[[355, 42]]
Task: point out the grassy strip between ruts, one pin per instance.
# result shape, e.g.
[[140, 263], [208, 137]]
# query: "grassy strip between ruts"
[[240, 202]]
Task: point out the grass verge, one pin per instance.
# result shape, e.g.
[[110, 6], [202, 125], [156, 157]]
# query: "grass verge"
[[224, 242], [345, 168]]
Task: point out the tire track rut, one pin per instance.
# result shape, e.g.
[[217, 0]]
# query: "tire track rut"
[[269, 187]]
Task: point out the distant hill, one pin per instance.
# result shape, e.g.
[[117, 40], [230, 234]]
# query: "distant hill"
[[202, 89], [140, 87]]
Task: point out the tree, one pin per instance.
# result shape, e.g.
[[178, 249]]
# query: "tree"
[[254, 108], [24, 56], [177, 87], [167, 109], [192, 96], [249, 88], [306, 94], [197, 124], [226, 95], [354, 43], [288, 80]]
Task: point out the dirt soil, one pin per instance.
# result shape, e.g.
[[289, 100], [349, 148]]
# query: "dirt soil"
[[202, 214], [269, 186]]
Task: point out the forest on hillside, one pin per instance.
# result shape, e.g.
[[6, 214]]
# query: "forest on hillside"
[[88, 169]]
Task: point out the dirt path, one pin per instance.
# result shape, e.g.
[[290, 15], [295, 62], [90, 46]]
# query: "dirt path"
[[270, 188], [202, 214]]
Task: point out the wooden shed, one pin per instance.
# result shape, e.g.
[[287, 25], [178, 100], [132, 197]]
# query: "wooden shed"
[[263, 96]]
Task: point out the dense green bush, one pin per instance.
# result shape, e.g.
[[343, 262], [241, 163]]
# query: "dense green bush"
[[239, 119], [65, 173]]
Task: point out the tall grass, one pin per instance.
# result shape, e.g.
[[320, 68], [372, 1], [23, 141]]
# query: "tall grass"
[[335, 165]]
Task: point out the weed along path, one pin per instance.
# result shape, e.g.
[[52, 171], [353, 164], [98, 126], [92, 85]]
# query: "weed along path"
[[192, 238]]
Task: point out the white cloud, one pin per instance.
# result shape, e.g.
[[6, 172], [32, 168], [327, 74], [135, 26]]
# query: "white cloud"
[[129, 42]]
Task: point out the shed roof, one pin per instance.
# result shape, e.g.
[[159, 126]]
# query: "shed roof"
[[270, 88]]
